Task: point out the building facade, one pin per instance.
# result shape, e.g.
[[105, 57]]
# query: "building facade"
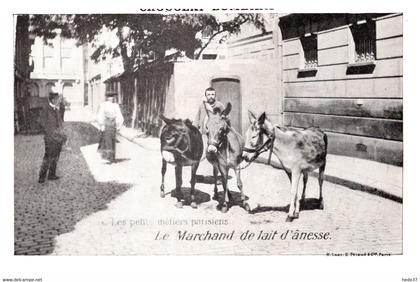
[[344, 73], [96, 73], [339, 72], [58, 67]]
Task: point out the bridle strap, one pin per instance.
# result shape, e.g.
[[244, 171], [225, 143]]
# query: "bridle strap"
[[268, 145], [273, 138], [175, 147], [208, 116], [260, 149]]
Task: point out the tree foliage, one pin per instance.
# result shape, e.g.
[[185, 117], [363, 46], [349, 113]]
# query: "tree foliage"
[[141, 35]]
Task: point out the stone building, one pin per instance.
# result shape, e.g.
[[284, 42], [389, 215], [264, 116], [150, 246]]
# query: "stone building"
[[344, 73]]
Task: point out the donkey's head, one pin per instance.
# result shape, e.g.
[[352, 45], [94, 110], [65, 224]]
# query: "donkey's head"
[[174, 136], [256, 136], [217, 128]]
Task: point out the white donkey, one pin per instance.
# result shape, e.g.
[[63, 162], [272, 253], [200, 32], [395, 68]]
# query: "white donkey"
[[299, 151]]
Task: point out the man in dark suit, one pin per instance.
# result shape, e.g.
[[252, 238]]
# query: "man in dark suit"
[[54, 138]]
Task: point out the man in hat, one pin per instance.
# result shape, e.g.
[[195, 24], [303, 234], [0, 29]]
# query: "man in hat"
[[54, 138], [110, 121]]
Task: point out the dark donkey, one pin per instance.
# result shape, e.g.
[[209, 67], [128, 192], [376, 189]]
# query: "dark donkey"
[[224, 152], [181, 145], [299, 151]]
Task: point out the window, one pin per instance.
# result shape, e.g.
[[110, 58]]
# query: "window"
[[309, 59], [209, 56], [363, 47], [67, 65], [34, 90], [66, 60], [112, 86], [49, 63]]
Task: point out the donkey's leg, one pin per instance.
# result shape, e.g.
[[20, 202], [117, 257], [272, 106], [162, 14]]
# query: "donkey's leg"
[[194, 168], [295, 184], [230, 197], [239, 183], [305, 181], [163, 172], [299, 198], [178, 181], [321, 181], [223, 173], [215, 172]]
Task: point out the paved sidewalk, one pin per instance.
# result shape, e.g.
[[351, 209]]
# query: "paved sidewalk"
[[364, 175]]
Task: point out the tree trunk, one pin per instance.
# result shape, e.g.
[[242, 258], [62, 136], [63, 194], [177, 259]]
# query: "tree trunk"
[[134, 114], [127, 61]]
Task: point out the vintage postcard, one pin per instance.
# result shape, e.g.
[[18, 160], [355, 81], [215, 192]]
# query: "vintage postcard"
[[208, 132]]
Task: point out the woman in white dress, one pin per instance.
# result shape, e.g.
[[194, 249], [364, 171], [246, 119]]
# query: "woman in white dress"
[[110, 121]]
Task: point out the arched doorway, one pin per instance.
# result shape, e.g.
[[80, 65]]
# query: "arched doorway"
[[229, 90], [34, 89], [49, 87]]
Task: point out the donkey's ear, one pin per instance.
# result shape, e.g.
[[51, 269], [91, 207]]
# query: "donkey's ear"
[[261, 118], [251, 116], [227, 110], [165, 119]]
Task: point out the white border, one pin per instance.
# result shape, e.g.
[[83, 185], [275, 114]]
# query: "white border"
[[252, 268]]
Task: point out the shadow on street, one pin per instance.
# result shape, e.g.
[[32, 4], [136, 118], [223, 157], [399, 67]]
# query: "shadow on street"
[[43, 211]]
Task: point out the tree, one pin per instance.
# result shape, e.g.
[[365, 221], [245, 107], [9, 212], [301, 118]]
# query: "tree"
[[141, 35]]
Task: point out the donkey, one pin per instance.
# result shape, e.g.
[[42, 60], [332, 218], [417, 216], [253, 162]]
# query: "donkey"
[[224, 151], [181, 145], [298, 150]]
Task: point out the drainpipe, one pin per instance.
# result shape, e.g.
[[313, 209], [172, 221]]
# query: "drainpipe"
[[279, 53]]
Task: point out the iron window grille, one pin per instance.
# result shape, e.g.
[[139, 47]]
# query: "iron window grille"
[[364, 37], [310, 51]]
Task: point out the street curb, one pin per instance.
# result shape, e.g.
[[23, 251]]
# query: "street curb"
[[344, 182]]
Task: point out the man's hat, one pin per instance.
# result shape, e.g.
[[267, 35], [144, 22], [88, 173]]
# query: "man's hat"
[[111, 94], [52, 95]]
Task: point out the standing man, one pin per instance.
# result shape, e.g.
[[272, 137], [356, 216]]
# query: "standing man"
[[110, 121], [54, 138], [206, 109]]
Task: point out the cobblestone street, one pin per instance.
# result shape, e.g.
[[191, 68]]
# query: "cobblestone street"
[[43, 211], [102, 209]]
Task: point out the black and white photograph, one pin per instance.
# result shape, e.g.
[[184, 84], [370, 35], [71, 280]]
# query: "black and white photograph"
[[208, 132]]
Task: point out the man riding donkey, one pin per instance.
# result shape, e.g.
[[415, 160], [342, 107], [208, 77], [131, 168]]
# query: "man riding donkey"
[[223, 145], [205, 111]]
